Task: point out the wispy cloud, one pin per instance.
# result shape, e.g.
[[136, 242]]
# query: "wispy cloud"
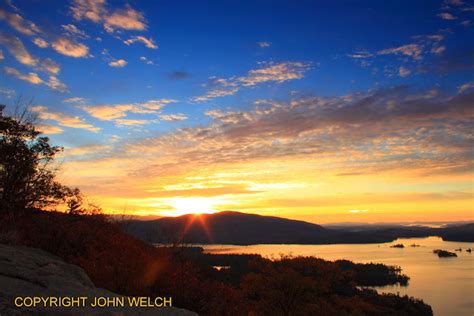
[[49, 129], [438, 50], [76, 100], [17, 22], [133, 122], [110, 112], [49, 65], [86, 150], [361, 54], [53, 82], [63, 119], [30, 77], [147, 41], [216, 93], [17, 49], [447, 16], [466, 87], [73, 31], [173, 117], [268, 72], [146, 60], [264, 44], [412, 50]]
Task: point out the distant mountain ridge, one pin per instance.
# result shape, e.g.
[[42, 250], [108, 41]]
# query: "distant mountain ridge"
[[243, 229]]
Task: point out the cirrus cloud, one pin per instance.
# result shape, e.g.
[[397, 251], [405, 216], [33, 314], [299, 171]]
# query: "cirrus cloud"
[[110, 112], [17, 22], [17, 49], [268, 72], [53, 82], [412, 50], [147, 41], [29, 77], [63, 119]]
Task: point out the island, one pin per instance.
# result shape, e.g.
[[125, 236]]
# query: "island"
[[444, 253], [397, 246]]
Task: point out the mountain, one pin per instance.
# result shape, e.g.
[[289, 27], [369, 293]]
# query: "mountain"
[[244, 229], [228, 228]]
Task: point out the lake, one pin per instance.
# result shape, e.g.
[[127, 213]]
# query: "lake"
[[447, 284]]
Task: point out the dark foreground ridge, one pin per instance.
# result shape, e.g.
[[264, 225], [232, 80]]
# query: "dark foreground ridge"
[[244, 229]]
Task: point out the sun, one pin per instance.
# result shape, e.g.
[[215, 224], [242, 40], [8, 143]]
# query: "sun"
[[193, 205]]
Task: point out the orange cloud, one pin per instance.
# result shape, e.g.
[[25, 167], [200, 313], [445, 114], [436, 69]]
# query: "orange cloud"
[[41, 43], [17, 49], [147, 41], [88, 9], [127, 19], [116, 111], [63, 119], [118, 63], [49, 129], [69, 48], [30, 77], [17, 22], [412, 50], [269, 72]]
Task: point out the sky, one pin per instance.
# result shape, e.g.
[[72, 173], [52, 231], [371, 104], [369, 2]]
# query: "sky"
[[323, 111]]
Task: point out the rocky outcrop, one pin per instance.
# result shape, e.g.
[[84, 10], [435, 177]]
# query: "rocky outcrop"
[[29, 272]]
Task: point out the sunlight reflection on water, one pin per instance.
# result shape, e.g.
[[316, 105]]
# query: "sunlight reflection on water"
[[447, 284]]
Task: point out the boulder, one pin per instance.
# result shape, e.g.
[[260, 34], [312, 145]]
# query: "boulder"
[[30, 272]]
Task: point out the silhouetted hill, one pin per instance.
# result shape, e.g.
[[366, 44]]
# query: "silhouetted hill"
[[229, 228], [463, 232], [242, 229]]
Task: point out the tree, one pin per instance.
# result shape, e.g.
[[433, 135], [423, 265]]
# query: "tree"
[[27, 176], [74, 201]]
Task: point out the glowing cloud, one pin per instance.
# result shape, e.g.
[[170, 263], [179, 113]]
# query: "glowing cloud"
[[147, 41], [17, 49], [117, 111], [69, 48], [275, 72], [412, 50], [63, 119], [41, 43], [88, 9], [30, 77], [118, 63], [127, 19], [17, 22]]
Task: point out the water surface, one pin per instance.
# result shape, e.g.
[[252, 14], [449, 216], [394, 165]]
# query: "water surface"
[[447, 284]]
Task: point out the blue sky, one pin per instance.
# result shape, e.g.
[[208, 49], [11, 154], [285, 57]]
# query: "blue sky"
[[107, 74]]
